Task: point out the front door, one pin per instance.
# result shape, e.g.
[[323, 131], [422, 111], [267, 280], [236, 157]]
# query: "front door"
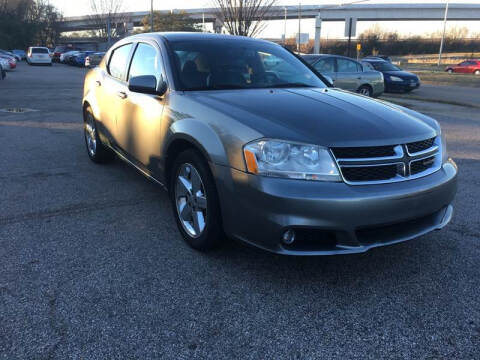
[[139, 115]]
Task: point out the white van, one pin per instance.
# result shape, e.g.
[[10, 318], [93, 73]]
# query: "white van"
[[38, 55]]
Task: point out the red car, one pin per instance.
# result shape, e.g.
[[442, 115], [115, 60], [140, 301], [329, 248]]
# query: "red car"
[[465, 67]]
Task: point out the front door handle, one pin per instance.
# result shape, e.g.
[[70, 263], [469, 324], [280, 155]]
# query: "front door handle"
[[122, 94]]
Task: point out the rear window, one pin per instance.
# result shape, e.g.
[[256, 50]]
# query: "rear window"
[[39, 51]]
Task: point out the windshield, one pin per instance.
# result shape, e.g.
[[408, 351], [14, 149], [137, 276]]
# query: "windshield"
[[385, 66], [237, 64]]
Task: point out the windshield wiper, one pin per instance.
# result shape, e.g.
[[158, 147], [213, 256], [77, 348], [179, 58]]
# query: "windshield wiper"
[[290, 85]]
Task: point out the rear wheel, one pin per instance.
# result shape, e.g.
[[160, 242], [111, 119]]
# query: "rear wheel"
[[477, 72], [450, 71], [195, 201], [97, 152], [365, 90]]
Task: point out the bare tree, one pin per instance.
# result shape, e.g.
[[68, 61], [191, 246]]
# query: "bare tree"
[[243, 17], [106, 18]]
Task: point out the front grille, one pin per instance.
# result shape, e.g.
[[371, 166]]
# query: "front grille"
[[419, 166], [370, 173], [418, 146], [363, 152], [383, 164]]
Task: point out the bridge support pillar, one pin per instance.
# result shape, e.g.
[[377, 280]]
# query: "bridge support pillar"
[[217, 26], [318, 31]]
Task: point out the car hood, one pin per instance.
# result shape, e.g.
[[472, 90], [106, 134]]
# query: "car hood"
[[326, 117], [401, 73]]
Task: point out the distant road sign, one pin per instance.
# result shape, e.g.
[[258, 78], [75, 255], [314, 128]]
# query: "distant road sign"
[[353, 30], [359, 47]]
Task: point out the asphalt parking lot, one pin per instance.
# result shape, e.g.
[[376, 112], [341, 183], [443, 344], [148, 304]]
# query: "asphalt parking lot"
[[93, 267]]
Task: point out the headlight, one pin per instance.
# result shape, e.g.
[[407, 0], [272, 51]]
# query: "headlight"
[[290, 160], [395, 78]]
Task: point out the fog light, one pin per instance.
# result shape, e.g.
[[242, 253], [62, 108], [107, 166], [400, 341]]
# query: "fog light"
[[288, 237]]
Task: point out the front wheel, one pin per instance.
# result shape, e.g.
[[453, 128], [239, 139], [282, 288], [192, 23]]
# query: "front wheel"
[[450, 71], [477, 72], [195, 201]]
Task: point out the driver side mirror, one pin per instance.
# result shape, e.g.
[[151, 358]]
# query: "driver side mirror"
[[147, 84]]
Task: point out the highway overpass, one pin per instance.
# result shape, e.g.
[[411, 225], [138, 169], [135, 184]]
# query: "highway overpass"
[[359, 12]]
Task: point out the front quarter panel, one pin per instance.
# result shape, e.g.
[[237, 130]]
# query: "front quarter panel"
[[219, 136]]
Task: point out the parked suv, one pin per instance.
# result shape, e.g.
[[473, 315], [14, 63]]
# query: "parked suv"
[[267, 154], [348, 74]]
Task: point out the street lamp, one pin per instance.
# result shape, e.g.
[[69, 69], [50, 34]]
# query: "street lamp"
[[443, 35], [285, 27], [151, 15]]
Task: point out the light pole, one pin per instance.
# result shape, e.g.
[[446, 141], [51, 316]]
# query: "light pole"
[[299, 25], [443, 34], [285, 27], [151, 15]]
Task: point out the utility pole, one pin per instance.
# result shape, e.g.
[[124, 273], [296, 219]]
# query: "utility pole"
[[285, 27], [443, 35], [151, 15], [299, 26], [203, 22]]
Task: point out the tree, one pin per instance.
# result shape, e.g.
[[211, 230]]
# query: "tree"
[[106, 18], [243, 17], [170, 22], [27, 22]]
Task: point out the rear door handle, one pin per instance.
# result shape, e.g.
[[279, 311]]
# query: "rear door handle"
[[122, 94]]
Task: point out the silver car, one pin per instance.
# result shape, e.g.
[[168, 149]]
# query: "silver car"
[[253, 145], [348, 74]]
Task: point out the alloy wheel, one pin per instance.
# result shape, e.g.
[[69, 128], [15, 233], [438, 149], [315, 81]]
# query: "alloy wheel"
[[191, 200], [90, 135]]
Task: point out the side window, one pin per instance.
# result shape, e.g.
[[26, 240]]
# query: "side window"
[[346, 66], [145, 61], [367, 66], [118, 61], [325, 65]]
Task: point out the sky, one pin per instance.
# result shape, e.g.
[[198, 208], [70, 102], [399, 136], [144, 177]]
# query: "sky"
[[275, 28]]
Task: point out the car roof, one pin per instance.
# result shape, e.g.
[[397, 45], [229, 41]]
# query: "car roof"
[[189, 36], [320, 56], [379, 60]]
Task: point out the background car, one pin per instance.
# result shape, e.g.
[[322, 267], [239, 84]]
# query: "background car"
[[79, 59], [22, 55], [3, 66], [9, 54], [465, 67], [66, 58], [59, 50], [348, 74], [383, 57], [396, 79], [9, 62], [38, 55], [94, 59]]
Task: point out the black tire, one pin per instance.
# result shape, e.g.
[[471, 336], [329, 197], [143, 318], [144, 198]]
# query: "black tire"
[[365, 90], [212, 234], [102, 154]]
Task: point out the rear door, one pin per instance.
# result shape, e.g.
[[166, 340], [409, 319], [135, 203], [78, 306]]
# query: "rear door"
[[139, 116], [349, 74], [112, 89]]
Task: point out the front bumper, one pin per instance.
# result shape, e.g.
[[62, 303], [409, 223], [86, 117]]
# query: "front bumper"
[[333, 218], [392, 86]]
